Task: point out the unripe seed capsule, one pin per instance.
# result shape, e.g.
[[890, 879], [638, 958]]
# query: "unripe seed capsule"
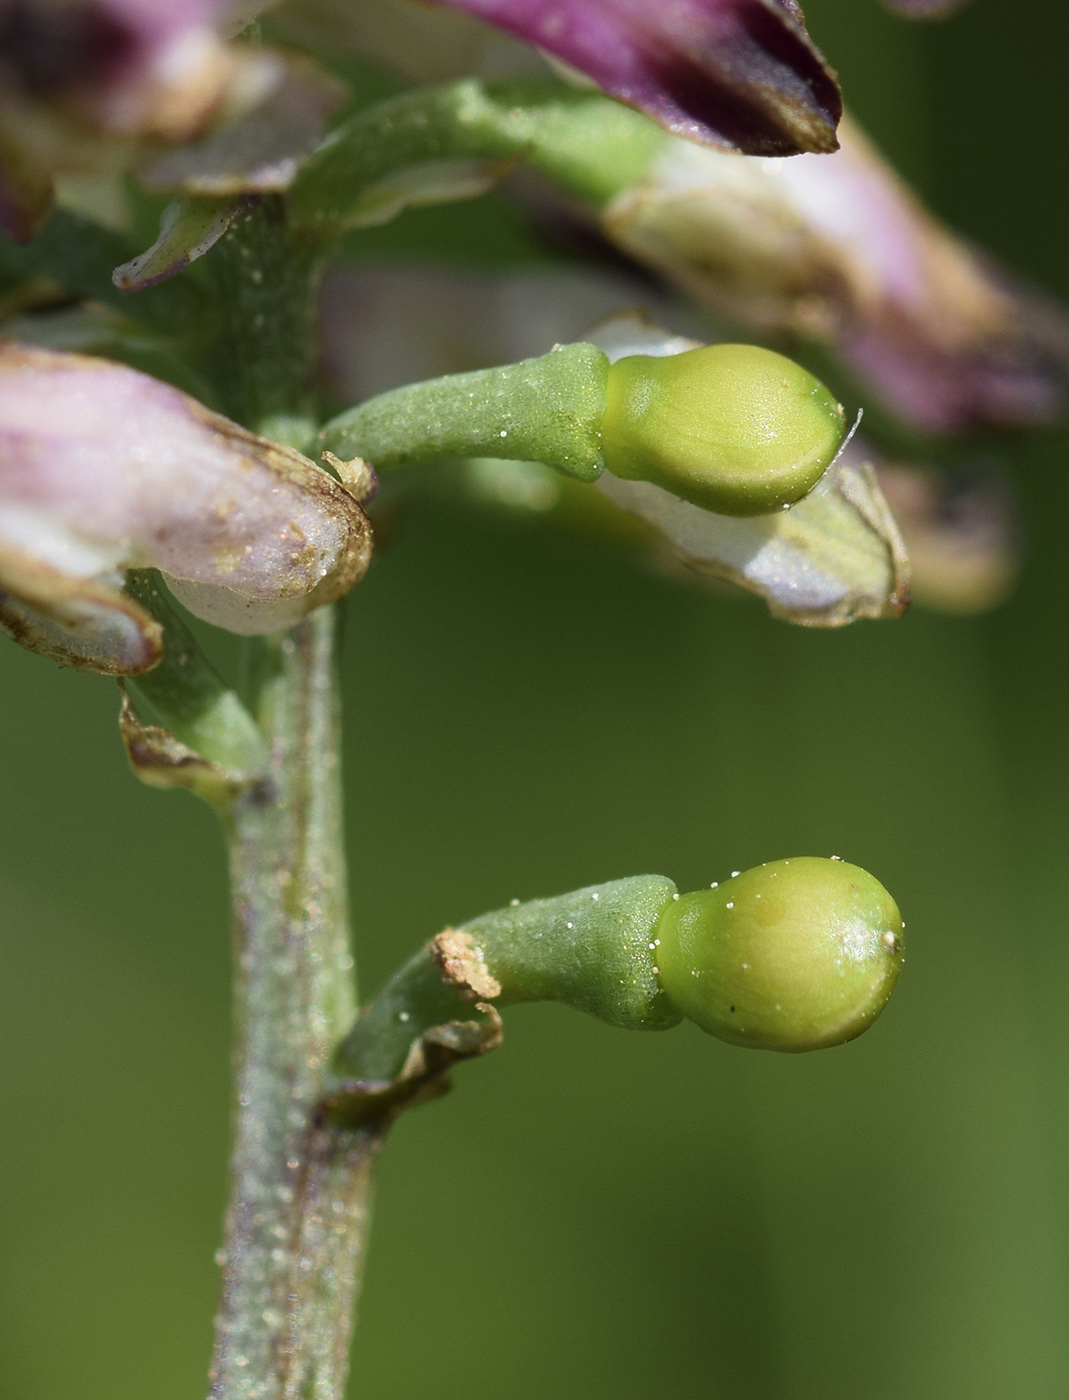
[[734, 428], [793, 955]]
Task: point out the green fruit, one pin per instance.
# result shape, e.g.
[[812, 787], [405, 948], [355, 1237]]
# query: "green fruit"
[[793, 955], [734, 428]]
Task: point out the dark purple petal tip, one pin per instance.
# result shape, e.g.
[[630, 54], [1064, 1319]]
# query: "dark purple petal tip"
[[743, 75]]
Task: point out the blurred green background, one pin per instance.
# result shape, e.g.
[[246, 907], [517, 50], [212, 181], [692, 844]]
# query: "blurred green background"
[[593, 1213]]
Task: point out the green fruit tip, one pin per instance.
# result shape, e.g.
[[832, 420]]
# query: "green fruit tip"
[[736, 429], [793, 955]]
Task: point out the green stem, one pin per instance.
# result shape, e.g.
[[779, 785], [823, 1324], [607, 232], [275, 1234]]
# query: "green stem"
[[299, 1185], [549, 409], [266, 272]]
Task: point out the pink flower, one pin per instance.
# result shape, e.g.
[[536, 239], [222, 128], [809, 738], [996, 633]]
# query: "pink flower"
[[104, 469]]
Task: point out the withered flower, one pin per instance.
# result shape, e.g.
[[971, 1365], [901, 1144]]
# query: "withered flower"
[[104, 469]]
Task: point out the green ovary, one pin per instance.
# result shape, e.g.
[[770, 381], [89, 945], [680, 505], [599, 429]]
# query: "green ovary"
[[793, 955], [734, 428]]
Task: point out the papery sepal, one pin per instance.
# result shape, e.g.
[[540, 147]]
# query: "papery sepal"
[[162, 761]]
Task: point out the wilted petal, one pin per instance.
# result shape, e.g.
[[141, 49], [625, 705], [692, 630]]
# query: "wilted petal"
[[103, 469], [80, 622], [836, 247], [831, 558], [834, 557], [741, 74]]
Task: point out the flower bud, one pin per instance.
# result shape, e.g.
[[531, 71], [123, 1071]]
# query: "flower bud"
[[793, 955], [734, 428]]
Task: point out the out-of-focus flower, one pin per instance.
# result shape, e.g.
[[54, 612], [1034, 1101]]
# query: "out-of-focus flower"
[[82, 82], [104, 469], [838, 249], [962, 532]]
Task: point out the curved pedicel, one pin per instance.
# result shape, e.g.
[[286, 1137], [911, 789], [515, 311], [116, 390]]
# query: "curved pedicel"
[[792, 955], [732, 428]]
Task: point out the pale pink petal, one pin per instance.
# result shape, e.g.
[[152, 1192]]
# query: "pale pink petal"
[[103, 469]]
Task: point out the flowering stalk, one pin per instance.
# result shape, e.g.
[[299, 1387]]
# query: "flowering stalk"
[[299, 1185]]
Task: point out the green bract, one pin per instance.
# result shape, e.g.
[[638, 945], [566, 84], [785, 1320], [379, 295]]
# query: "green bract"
[[794, 955], [735, 428]]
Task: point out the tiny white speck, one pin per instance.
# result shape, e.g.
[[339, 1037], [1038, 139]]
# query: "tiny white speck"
[[836, 857], [745, 967], [734, 873], [652, 946], [513, 903], [757, 896], [675, 896], [656, 971], [569, 925], [694, 972], [403, 1016], [595, 896], [504, 432], [715, 885], [730, 904], [656, 942]]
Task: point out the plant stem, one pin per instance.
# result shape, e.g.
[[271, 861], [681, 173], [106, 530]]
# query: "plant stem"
[[299, 1186], [266, 274]]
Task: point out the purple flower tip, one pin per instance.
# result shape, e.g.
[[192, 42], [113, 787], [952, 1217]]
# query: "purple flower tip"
[[743, 75]]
